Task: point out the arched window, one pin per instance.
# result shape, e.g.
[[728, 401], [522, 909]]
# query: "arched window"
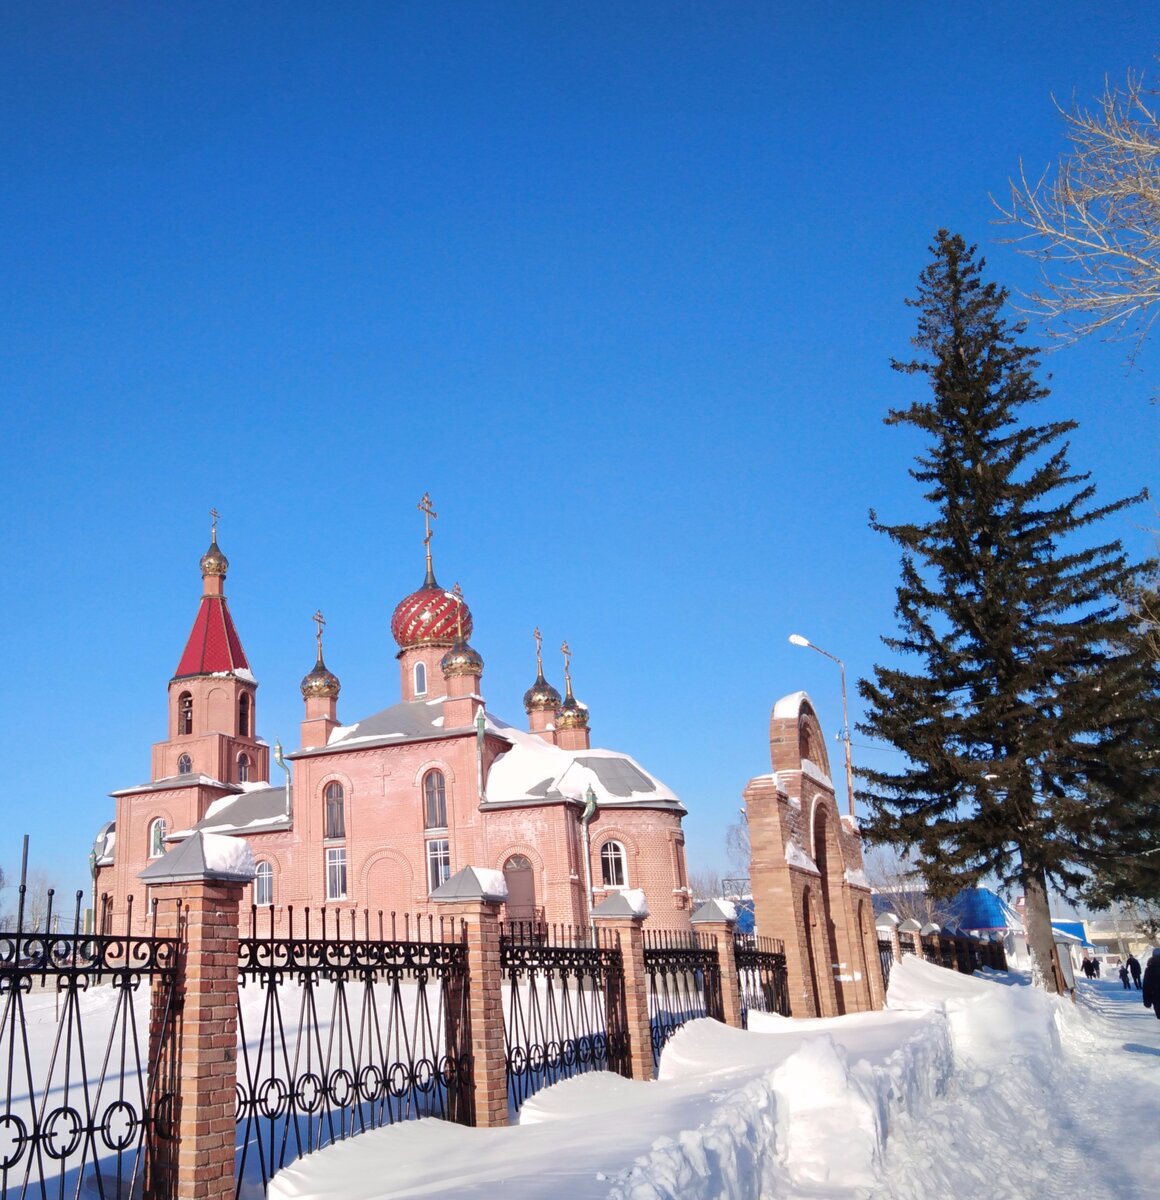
[[184, 765], [264, 884], [184, 713], [612, 869], [244, 715], [157, 838], [243, 768], [335, 817], [435, 800], [420, 679]]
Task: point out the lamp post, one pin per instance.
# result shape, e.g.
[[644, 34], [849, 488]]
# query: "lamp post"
[[797, 640]]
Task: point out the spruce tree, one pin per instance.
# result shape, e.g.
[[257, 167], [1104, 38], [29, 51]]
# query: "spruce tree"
[[1028, 690]]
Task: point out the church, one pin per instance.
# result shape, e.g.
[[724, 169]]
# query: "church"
[[373, 814]]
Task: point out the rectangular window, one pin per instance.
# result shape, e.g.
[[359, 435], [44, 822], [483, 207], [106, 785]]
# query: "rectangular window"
[[438, 862], [336, 873]]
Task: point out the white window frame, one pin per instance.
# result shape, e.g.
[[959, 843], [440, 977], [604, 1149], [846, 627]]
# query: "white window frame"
[[263, 884], [184, 765], [244, 765], [613, 856], [157, 833], [336, 872], [419, 676], [438, 862]]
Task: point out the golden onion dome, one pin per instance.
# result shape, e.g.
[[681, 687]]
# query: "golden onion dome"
[[572, 714], [541, 697], [213, 561], [461, 659], [320, 682]]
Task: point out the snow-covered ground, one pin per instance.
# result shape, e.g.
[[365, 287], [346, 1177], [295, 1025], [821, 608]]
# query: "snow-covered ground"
[[964, 1086]]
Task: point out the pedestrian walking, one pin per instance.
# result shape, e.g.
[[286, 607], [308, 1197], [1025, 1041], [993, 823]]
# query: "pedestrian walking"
[[1152, 983], [1134, 968], [1124, 979]]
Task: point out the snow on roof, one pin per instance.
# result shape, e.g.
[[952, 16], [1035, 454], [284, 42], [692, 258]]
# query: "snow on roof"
[[795, 856], [789, 706], [532, 769], [535, 769], [816, 773]]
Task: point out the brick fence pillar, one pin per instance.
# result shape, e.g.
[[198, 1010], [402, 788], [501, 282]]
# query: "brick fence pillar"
[[710, 918], [619, 919], [474, 897], [196, 1048]]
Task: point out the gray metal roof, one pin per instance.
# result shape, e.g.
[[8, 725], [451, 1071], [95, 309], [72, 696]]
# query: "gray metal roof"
[[262, 809], [187, 862], [177, 781], [408, 721], [618, 775], [467, 885]]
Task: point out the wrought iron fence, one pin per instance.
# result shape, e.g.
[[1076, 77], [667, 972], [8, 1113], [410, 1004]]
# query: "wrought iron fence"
[[761, 975], [84, 1100], [565, 1007], [886, 958], [930, 951], [684, 982], [907, 943], [341, 1034]]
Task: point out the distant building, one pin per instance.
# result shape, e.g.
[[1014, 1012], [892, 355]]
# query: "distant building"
[[377, 812]]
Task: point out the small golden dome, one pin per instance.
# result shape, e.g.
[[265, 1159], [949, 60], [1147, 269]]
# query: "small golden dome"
[[213, 561], [541, 697], [572, 714], [461, 659], [320, 682]]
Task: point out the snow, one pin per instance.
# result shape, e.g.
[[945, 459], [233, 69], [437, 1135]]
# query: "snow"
[[795, 856], [492, 882], [227, 855], [964, 1086], [816, 773], [635, 899], [727, 907], [789, 706], [857, 877], [532, 761]]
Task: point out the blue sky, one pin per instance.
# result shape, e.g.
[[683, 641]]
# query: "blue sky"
[[618, 284]]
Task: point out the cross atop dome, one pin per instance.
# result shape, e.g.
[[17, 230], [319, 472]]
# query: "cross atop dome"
[[429, 515], [213, 561]]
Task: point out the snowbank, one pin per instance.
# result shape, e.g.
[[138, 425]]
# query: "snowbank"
[[963, 1086]]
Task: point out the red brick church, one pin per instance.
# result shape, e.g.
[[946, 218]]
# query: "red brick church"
[[375, 813]]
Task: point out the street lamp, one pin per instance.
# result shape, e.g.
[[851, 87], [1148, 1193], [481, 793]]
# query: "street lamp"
[[796, 639]]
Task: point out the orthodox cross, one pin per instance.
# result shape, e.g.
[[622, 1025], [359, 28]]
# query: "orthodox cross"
[[429, 515], [319, 620], [457, 592], [567, 667], [213, 512], [539, 656]]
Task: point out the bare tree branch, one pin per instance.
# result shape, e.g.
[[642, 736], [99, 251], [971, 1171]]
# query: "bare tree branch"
[[1093, 221]]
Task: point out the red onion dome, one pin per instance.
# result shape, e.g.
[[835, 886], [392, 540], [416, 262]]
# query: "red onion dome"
[[431, 616]]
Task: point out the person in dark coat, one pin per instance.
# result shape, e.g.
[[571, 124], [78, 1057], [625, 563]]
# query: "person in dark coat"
[[1134, 967], [1124, 978], [1152, 983]]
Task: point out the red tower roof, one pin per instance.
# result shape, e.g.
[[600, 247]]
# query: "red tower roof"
[[214, 645]]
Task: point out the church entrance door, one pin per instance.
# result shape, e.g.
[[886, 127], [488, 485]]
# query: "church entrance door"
[[521, 887]]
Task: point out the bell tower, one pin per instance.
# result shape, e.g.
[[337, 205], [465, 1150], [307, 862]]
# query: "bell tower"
[[212, 695]]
